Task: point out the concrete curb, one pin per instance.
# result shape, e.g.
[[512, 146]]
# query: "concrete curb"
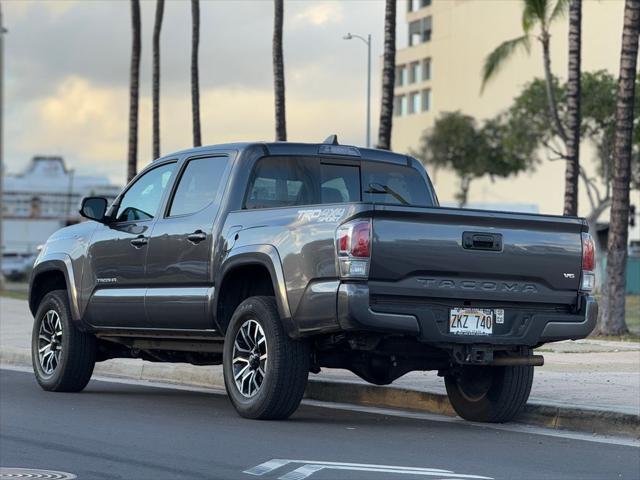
[[595, 421]]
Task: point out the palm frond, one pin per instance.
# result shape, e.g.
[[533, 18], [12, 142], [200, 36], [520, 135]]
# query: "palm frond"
[[495, 60], [559, 10], [535, 11]]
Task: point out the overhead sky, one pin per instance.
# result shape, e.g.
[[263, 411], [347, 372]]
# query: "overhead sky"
[[67, 76]]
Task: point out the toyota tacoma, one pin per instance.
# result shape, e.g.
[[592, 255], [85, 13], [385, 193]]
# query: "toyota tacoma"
[[278, 259]]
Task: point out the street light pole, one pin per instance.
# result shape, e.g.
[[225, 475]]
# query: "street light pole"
[[367, 42]]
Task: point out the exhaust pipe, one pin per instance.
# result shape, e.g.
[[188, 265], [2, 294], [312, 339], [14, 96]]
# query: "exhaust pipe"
[[532, 360]]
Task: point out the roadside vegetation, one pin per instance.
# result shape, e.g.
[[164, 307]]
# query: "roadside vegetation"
[[17, 294]]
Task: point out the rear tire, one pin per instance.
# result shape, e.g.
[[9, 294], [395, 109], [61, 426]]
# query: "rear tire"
[[63, 357], [265, 371], [489, 394]]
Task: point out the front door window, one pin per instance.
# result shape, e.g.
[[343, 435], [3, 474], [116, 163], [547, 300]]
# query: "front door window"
[[142, 200]]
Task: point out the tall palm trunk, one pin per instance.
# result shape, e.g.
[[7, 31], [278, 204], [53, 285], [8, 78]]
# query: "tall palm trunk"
[[156, 77], [612, 321], [195, 83], [573, 106], [134, 85], [278, 71], [545, 38], [388, 76]]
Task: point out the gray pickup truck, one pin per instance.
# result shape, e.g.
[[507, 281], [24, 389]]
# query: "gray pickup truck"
[[277, 259]]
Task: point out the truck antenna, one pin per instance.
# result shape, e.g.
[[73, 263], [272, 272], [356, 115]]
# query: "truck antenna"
[[331, 140]]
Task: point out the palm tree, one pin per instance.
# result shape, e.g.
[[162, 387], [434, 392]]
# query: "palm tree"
[[134, 85], [278, 71], [535, 12], [541, 13], [612, 321], [573, 109], [195, 84], [388, 76], [156, 77]]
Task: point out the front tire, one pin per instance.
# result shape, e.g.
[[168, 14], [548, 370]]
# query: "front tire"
[[489, 394], [265, 371], [63, 357]]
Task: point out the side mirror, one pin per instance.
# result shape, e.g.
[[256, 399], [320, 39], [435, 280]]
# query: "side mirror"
[[94, 208]]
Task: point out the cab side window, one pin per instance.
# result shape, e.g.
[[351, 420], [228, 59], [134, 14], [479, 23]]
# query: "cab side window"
[[282, 182], [198, 185], [142, 200], [295, 181]]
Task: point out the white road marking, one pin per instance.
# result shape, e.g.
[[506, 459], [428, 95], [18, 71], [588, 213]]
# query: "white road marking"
[[309, 467], [10, 472], [508, 427]]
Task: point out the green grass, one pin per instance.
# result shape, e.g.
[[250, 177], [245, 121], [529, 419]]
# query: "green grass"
[[13, 294], [632, 313]]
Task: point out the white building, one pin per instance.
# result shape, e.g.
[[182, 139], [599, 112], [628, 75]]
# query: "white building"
[[44, 198]]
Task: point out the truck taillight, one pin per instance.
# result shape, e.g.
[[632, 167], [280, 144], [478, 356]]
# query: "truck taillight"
[[353, 243], [588, 277]]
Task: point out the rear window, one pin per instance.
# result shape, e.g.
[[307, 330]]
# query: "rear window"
[[294, 181], [394, 184], [339, 183]]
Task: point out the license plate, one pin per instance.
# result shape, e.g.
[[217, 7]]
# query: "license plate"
[[471, 321]]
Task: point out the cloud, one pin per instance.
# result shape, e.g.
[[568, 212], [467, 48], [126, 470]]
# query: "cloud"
[[320, 14], [88, 123]]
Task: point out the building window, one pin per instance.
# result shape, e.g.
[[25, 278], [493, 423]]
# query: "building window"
[[400, 106], [414, 103], [413, 5], [426, 69], [426, 100], [415, 74], [401, 75], [420, 31]]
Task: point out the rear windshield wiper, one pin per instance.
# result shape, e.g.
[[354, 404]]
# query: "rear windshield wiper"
[[384, 189]]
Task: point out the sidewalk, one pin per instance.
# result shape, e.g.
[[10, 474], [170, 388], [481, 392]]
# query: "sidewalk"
[[601, 377]]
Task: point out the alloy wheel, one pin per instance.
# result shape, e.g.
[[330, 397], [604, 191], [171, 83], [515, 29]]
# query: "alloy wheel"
[[249, 358], [50, 342]]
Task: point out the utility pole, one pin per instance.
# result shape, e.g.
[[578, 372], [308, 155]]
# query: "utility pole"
[[2, 32]]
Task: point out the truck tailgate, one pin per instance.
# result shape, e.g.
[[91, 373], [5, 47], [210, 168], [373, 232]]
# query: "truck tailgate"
[[449, 253]]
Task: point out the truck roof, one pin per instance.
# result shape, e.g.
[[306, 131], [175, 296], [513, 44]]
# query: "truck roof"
[[299, 148]]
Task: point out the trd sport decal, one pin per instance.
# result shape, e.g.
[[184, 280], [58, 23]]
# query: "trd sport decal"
[[321, 215]]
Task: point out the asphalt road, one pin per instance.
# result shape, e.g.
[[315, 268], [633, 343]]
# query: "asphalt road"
[[133, 431]]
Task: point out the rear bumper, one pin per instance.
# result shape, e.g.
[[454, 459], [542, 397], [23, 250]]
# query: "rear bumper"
[[523, 326]]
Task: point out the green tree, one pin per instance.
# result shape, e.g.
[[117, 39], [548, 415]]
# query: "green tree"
[[456, 142], [537, 17], [598, 105]]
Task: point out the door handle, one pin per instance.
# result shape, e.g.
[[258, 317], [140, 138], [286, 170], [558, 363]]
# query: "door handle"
[[197, 236], [482, 241], [139, 241]]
